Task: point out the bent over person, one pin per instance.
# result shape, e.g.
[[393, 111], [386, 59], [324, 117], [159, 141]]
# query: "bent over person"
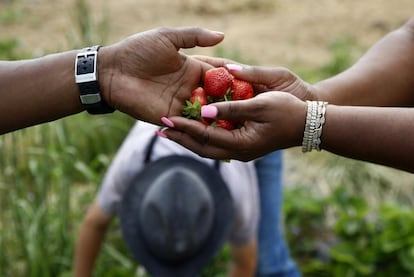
[[146, 187]]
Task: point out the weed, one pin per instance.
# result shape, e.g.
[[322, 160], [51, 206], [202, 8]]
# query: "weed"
[[11, 14]]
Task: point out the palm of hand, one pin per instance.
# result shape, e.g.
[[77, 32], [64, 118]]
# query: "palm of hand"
[[157, 75]]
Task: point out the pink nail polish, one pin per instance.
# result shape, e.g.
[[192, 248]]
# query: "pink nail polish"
[[234, 67], [167, 122], [161, 134], [209, 111]]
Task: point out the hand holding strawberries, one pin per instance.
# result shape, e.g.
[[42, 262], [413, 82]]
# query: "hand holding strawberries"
[[219, 85], [272, 119], [266, 78]]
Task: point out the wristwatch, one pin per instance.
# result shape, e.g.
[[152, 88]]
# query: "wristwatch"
[[86, 77]]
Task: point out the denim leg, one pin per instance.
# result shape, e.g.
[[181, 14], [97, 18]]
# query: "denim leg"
[[274, 257]]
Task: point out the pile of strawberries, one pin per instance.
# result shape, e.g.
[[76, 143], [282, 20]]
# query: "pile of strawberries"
[[219, 85]]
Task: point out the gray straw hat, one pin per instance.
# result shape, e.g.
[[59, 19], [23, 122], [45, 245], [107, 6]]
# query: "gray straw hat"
[[175, 216]]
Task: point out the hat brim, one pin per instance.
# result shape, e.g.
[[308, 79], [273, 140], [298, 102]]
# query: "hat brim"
[[132, 233]]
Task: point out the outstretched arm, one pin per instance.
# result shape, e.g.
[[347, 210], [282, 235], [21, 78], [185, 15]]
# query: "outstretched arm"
[[276, 120], [382, 77], [91, 236], [144, 75]]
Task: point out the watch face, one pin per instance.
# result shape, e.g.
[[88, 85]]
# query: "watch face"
[[85, 69], [87, 79], [85, 64]]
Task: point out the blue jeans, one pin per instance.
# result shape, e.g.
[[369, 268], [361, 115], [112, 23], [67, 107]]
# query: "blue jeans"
[[274, 257]]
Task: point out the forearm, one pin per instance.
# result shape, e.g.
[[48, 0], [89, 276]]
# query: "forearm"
[[382, 77], [87, 250], [244, 259], [380, 135], [91, 236], [38, 90]]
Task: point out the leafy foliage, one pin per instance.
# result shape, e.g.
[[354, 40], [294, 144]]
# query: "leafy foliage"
[[361, 240], [11, 50]]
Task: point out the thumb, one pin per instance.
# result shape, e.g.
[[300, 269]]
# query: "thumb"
[[230, 110], [189, 37]]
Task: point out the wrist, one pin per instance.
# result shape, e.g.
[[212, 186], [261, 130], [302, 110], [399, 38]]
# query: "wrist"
[[316, 92], [87, 78], [315, 119], [300, 123], [105, 71]]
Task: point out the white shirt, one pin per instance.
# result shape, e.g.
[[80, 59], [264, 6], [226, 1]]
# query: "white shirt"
[[239, 176]]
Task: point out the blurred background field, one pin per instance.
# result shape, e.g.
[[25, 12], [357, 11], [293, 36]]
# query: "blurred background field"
[[343, 217]]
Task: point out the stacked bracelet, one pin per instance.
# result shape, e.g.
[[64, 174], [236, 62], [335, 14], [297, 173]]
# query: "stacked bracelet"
[[315, 118]]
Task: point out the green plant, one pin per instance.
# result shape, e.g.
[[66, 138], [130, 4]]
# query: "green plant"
[[218, 267], [10, 50], [372, 242], [342, 51], [11, 13], [90, 30], [43, 168], [342, 56], [305, 227], [342, 235]]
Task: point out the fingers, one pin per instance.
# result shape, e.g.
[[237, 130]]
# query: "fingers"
[[263, 78], [216, 62], [204, 150], [268, 76], [207, 141], [189, 37], [232, 110], [204, 65]]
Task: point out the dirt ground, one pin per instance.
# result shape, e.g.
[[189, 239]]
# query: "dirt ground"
[[268, 32]]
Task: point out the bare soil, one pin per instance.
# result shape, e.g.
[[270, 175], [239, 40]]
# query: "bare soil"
[[268, 32]]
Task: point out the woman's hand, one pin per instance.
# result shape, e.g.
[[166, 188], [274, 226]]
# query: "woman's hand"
[[266, 78], [272, 120]]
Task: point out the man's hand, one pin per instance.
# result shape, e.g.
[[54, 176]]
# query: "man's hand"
[[147, 77]]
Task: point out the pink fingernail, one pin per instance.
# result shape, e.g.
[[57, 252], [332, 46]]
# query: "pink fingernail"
[[167, 122], [161, 134], [209, 111], [234, 67]]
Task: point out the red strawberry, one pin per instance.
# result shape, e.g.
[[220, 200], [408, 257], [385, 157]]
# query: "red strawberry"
[[217, 81], [241, 90], [199, 95], [225, 124], [205, 121], [192, 108]]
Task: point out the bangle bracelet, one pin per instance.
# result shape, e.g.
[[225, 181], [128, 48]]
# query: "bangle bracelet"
[[315, 118]]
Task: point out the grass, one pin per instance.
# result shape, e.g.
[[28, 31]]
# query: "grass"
[[42, 171], [11, 13]]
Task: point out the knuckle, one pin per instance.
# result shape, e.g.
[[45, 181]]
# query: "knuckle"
[[205, 137], [163, 30]]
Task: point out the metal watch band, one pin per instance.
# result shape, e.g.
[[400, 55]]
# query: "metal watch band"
[[86, 76]]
